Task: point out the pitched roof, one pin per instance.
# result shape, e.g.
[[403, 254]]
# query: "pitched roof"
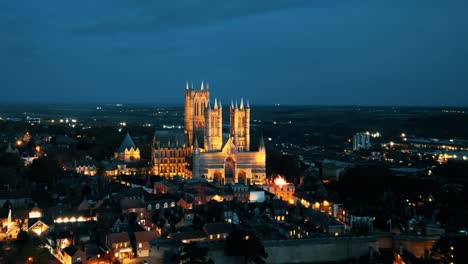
[[117, 238], [195, 234], [217, 228], [145, 236], [169, 138], [127, 143], [71, 250], [34, 221]]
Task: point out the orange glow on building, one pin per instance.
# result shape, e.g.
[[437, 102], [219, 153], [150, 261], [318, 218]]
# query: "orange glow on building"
[[281, 188], [19, 142], [280, 181], [38, 148]]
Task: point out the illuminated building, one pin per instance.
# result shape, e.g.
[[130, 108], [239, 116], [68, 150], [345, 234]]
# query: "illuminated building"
[[215, 157], [195, 104], [230, 165], [71, 254], [361, 141], [85, 167], [128, 151], [282, 189], [35, 213], [170, 154], [121, 246], [5, 217], [35, 222]]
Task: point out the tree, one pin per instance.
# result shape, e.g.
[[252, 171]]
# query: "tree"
[[246, 244], [192, 253], [45, 170]]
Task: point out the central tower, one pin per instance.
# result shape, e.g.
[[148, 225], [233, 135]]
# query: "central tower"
[[196, 102], [214, 127], [240, 125]]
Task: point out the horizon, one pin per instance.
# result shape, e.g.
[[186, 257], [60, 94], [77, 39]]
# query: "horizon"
[[181, 104]]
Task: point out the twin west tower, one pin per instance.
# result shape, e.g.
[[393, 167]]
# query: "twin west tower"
[[202, 118], [213, 155]]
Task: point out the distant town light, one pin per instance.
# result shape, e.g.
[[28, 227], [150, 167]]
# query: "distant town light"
[[403, 135]]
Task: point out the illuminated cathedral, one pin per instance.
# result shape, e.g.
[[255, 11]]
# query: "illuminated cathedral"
[[213, 155]]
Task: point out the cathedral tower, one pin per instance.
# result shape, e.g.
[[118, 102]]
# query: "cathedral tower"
[[214, 127], [240, 125], [195, 105]]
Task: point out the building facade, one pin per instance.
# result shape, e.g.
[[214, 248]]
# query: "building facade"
[[170, 154], [361, 141], [214, 156], [128, 151]]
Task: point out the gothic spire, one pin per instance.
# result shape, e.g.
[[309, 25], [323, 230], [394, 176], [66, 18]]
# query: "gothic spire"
[[261, 145], [216, 104], [219, 103], [196, 150], [248, 104], [202, 86], [186, 86], [242, 104]]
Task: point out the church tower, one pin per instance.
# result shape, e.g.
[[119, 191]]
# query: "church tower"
[[214, 127], [195, 105], [240, 125]]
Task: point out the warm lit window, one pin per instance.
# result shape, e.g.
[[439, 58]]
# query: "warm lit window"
[[211, 236], [140, 245], [218, 236]]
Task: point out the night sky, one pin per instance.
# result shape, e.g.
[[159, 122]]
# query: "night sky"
[[320, 52]]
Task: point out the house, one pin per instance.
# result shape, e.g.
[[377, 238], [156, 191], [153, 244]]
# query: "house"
[[63, 240], [184, 204], [120, 244], [216, 231], [241, 192], [143, 239], [72, 255], [85, 167], [5, 218], [189, 236], [37, 226]]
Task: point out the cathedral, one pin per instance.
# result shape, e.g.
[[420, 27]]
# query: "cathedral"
[[215, 156]]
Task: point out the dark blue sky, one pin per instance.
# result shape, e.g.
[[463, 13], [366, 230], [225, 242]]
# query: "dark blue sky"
[[353, 52]]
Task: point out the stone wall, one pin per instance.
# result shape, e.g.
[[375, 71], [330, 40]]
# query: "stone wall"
[[313, 250]]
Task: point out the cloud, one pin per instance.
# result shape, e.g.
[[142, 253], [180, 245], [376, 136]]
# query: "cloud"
[[155, 16]]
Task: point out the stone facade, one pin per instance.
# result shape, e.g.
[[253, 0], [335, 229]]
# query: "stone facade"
[[128, 151], [213, 156], [170, 155]]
